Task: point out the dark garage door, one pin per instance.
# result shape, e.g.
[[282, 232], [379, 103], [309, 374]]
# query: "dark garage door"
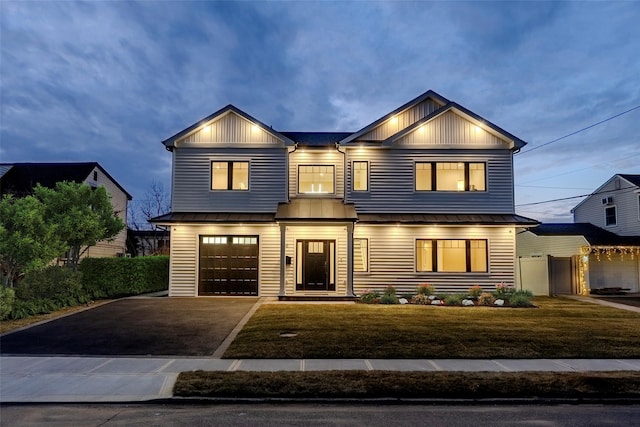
[[228, 265]]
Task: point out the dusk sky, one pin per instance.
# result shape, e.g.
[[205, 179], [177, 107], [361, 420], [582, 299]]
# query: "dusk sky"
[[107, 81]]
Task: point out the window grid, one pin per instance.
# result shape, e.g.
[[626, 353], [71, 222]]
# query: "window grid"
[[360, 176], [610, 216], [230, 175]]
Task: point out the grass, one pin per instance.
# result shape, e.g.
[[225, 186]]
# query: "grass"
[[558, 328], [385, 384]]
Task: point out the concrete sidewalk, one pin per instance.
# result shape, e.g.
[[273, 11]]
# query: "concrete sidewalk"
[[104, 379]]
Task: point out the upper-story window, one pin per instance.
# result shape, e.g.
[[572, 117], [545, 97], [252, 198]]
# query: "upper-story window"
[[610, 216], [360, 176], [316, 179], [230, 176], [450, 176]]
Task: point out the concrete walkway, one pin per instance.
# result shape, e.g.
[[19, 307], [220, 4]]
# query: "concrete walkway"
[[103, 379]]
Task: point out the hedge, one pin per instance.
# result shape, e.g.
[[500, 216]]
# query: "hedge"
[[117, 277]]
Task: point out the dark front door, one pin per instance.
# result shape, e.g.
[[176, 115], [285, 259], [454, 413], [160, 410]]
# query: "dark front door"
[[228, 265], [316, 257]]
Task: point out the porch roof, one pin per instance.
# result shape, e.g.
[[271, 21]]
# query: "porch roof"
[[316, 209], [462, 219], [205, 217], [594, 235]]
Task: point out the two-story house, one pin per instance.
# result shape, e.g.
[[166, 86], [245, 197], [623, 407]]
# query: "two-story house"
[[599, 252], [421, 195], [19, 179]]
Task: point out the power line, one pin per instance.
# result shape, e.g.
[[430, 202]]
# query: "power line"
[[575, 197], [580, 130]]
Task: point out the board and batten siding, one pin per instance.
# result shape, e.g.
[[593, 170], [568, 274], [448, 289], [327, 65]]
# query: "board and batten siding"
[[529, 244], [392, 182], [323, 157], [625, 199], [230, 128], [392, 258], [184, 269], [400, 121], [192, 180], [316, 232]]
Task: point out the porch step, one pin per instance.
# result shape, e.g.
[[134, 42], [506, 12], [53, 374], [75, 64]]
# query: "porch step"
[[316, 298]]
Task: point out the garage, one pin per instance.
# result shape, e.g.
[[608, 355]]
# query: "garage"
[[228, 265]]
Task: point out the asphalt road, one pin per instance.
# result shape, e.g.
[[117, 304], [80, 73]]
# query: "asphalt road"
[[321, 415], [135, 327]]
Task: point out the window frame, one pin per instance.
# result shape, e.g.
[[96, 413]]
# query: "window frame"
[[353, 175], [434, 179], [230, 169], [333, 168], [615, 216], [468, 257], [366, 270]]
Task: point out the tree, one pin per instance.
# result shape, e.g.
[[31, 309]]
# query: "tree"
[[82, 215], [27, 240], [156, 202]]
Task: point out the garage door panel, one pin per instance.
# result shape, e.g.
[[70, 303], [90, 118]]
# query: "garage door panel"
[[228, 265]]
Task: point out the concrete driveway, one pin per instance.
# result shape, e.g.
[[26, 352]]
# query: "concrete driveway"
[[135, 327]]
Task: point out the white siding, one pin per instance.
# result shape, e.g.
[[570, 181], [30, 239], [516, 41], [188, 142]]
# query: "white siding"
[[392, 258], [319, 232], [192, 180], [391, 182], [451, 130], [625, 199], [401, 121], [229, 128], [529, 244], [325, 156], [183, 274]]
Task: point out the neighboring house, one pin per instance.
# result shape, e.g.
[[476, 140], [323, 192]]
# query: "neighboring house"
[[421, 195], [19, 179], [600, 251], [148, 242]]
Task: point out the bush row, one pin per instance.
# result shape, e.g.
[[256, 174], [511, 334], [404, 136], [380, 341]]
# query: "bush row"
[[52, 288]]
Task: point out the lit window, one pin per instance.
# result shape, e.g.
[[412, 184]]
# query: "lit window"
[[229, 175], [610, 217], [450, 176], [452, 256], [423, 177], [476, 177], [360, 255], [360, 176], [315, 179]]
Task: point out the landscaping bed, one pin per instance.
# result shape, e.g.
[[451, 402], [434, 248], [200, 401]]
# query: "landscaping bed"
[[417, 385], [558, 328]]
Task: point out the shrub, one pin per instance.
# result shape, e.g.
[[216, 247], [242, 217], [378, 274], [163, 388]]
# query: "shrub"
[[453, 299], [504, 291], [521, 299], [7, 298], [486, 298], [389, 296], [117, 277], [58, 284], [426, 289], [475, 291], [369, 297], [421, 299]]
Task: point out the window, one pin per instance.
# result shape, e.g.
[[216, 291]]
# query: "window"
[[95, 175], [315, 179], [638, 207], [450, 176], [452, 255], [610, 217], [229, 175], [360, 176], [360, 255]]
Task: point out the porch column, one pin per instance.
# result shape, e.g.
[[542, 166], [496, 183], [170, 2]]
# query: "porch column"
[[350, 259], [283, 243]]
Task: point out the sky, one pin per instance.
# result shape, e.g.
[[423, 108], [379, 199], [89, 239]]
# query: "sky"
[[106, 81]]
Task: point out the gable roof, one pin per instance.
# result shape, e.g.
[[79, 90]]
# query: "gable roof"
[[634, 180], [21, 178], [594, 235], [470, 115], [169, 143], [439, 99]]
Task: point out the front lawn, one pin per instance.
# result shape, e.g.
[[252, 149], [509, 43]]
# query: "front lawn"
[[558, 328]]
